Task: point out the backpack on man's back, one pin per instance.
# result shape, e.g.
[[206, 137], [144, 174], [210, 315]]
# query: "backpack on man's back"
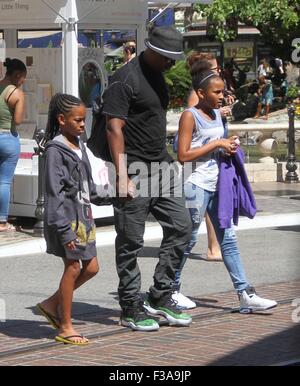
[[97, 142]]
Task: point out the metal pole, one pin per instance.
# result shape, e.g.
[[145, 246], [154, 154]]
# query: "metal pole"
[[291, 175], [40, 208]]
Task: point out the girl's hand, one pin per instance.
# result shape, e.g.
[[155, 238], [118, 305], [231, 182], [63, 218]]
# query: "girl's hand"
[[229, 99], [230, 145], [225, 111], [71, 246]]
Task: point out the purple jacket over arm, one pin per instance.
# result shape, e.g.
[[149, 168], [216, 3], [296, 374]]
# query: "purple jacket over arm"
[[235, 193]]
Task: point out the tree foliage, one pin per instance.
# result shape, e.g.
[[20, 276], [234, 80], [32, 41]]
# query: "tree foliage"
[[277, 20], [178, 79]]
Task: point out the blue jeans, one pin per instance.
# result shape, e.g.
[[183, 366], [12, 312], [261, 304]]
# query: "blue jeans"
[[9, 155], [198, 202]]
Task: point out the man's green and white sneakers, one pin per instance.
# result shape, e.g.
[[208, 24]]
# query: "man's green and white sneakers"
[[168, 308], [136, 318]]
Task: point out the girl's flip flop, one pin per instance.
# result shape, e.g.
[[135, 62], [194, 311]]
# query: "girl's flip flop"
[[68, 340], [53, 320]]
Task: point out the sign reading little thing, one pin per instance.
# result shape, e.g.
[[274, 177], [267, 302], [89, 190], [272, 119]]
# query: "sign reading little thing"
[[99, 11], [11, 5], [28, 11]]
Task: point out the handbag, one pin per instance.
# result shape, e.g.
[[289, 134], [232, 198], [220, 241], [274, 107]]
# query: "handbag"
[[98, 143]]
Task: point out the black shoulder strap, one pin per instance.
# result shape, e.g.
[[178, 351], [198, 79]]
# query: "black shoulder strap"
[[133, 66], [11, 94]]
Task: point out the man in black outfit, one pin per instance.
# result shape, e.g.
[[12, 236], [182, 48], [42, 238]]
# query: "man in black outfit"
[[135, 105]]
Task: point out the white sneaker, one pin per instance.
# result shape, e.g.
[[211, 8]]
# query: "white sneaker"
[[182, 302], [250, 302]]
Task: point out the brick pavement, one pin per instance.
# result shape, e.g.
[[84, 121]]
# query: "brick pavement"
[[217, 336]]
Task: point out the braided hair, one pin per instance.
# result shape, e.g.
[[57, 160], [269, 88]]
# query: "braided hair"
[[59, 104]]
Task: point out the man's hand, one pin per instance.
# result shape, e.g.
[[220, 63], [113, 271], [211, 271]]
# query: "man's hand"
[[131, 189], [126, 188]]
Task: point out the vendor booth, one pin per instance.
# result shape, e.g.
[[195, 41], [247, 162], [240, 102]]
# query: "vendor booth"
[[68, 68], [65, 68]]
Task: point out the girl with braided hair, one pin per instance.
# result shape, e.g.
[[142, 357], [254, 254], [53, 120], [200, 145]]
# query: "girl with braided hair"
[[69, 227]]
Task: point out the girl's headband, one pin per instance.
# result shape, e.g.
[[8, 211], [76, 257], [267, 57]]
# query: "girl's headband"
[[207, 77]]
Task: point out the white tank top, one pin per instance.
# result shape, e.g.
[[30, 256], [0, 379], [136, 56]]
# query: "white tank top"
[[205, 169]]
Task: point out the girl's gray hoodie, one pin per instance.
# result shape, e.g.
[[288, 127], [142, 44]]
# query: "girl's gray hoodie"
[[69, 190]]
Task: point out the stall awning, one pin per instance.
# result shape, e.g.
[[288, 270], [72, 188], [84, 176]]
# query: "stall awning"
[[38, 12], [32, 12]]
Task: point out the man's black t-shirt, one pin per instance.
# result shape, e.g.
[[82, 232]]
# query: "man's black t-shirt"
[[139, 95]]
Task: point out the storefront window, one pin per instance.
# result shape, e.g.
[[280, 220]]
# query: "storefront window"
[[39, 39], [90, 83], [110, 56], [112, 41], [89, 38], [115, 41], [242, 53]]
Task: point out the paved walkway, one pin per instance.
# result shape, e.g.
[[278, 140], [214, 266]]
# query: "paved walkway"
[[218, 336]]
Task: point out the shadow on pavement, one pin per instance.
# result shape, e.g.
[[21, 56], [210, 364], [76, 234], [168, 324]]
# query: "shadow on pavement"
[[209, 304], [295, 228], [154, 252], [28, 329], [82, 314], [272, 350]]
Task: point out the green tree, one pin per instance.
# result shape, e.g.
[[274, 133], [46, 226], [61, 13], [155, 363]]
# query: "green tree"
[[277, 20], [179, 81]]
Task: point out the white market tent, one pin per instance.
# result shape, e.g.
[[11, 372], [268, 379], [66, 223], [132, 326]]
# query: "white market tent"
[[69, 14]]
